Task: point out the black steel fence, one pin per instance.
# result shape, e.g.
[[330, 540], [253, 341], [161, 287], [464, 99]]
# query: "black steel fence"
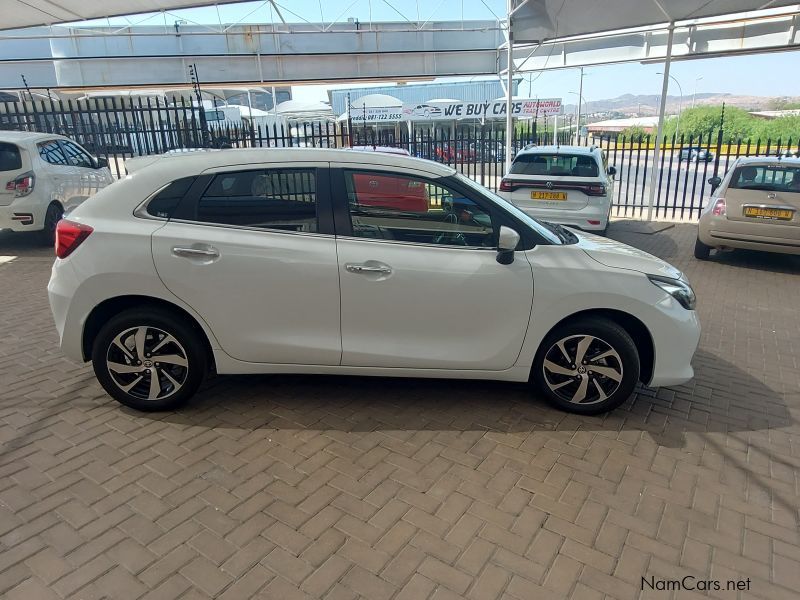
[[117, 129]]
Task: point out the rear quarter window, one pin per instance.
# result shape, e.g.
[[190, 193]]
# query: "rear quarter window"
[[167, 200], [10, 158], [555, 165]]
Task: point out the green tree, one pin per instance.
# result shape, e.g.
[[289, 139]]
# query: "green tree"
[[703, 122], [635, 132]]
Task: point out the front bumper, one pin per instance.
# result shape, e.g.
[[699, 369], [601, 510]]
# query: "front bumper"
[[676, 335]]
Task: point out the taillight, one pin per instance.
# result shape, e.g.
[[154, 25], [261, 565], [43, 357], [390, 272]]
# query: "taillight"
[[70, 235], [719, 208], [596, 190], [22, 185], [506, 186]]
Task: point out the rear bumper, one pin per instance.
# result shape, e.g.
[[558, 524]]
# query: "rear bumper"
[[720, 232], [580, 218], [27, 208]]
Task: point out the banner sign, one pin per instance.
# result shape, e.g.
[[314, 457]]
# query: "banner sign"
[[448, 111], [376, 114], [494, 109]]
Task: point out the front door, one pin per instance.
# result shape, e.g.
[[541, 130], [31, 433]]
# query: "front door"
[[423, 289], [253, 254]]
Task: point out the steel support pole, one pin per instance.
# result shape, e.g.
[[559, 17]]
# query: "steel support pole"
[[660, 130], [509, 87]]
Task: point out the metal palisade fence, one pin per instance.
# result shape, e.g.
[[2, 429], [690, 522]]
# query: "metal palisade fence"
[[117, 129]]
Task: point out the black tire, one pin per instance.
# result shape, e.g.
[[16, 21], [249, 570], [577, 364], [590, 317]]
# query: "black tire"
[[47, 236], [188, 345], [602, 392], [701, 251]]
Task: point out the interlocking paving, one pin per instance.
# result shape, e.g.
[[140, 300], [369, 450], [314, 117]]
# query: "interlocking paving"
[[322, 487]]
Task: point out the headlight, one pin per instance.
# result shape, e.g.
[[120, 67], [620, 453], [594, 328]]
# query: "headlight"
[[677, 288]]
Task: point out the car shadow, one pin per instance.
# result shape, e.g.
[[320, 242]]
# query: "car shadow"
[[721, 398], [760, 261], [23, 243]]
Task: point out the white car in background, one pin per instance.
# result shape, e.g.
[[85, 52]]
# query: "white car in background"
[[568, 185], [43, 176], [292, 261]]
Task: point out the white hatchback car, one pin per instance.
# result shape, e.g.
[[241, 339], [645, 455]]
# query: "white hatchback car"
[[286, 261], [568, 185], [43, 176]]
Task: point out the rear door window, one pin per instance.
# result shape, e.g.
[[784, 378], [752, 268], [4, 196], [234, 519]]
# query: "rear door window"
[[555, 165], [281, 199], [10, 158], [768, 178]]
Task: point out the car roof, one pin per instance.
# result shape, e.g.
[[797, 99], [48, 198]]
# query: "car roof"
[[25, 136], [768, 160], [201, 161], [559, 149]]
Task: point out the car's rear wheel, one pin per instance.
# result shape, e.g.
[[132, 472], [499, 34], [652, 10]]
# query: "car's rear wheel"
[[701, 251], [588, 366], [47, 236], [149, 360]]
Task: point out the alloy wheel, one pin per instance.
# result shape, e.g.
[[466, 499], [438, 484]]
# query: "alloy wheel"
[[582, 369], [147, 362]]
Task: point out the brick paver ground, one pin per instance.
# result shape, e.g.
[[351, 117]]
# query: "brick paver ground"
[[322, 487]]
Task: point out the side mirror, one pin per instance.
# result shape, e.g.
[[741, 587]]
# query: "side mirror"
[[509, 239], [612, 170], [100, 163], [715, 181]]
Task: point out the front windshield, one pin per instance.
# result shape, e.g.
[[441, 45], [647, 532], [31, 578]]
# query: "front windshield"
[[547, 232]]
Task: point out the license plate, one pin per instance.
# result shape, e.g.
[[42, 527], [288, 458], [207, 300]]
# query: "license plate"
[[756, 212], [548, 195]]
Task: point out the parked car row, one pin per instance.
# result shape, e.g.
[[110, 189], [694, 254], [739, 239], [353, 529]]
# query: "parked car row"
[[45, 175]]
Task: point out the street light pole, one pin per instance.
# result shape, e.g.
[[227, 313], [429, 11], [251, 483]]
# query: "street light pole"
[[680, 104], [580, 100], [694, 94]]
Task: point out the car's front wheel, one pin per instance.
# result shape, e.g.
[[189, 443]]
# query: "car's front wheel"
[[587, 366], [149, 360]]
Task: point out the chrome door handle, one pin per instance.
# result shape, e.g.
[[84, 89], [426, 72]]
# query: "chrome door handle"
[[193, 252], [353, 268]]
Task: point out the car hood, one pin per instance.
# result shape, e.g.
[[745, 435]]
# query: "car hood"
[[621, 256]]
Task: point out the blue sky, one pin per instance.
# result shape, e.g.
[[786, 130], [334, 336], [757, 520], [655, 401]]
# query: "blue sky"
[[763, 75]]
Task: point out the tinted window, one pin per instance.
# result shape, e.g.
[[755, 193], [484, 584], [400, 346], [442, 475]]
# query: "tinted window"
[[283, 199], [772, 178], [166, 201], [76, 155], [51, 153], [556, 165], [408, 209], [10, 159]]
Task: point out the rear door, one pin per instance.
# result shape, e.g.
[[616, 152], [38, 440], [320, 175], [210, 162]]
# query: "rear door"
[[61, 173], [251, 249], [766, 195], [85, 177], [554, 180]]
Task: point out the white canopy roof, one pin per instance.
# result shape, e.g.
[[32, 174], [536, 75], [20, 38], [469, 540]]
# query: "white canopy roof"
[[28, 13], [537, 20], [376, 101]]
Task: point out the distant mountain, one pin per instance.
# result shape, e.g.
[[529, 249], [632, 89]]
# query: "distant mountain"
[[630, 105]]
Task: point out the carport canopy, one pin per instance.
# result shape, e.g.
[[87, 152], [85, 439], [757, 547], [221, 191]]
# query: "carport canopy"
[[537, 21]]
